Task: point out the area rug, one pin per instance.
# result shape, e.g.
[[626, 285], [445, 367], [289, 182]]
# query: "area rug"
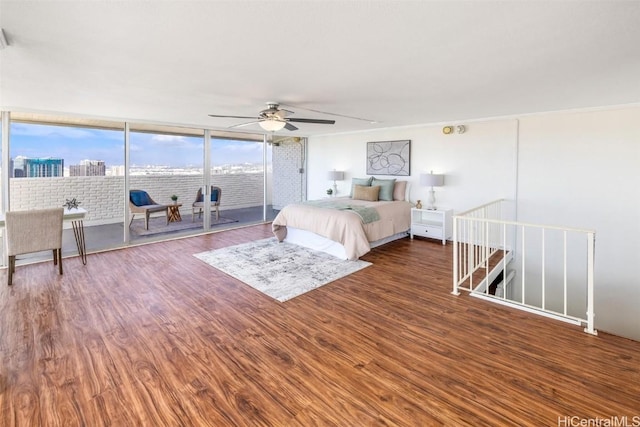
[[280, 270], [158, 225]]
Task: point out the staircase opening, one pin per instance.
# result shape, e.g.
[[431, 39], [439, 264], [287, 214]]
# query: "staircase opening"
[[547, 270]]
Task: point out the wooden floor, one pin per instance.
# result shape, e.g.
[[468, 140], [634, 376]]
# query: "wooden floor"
[[152, 336]]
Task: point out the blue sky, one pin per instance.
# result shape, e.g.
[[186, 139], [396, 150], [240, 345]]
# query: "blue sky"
[[74, 144]]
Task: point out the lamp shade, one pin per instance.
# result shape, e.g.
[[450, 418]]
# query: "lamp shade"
[[335, 175], [431, 180], [272, 125]]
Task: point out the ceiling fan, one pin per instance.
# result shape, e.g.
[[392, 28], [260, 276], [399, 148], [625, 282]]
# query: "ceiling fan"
[[274, 118]]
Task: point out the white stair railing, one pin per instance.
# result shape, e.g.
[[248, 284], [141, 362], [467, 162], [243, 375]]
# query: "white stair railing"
[[554, 265]]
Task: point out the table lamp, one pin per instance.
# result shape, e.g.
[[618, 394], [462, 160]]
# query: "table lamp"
[[431, 180], [334, 176]]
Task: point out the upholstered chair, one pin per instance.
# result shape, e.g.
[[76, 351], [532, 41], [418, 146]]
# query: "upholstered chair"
[[33, 231], [141, 203], [198, 205]]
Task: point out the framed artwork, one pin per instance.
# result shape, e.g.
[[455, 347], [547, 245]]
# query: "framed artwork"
[[389, 158]]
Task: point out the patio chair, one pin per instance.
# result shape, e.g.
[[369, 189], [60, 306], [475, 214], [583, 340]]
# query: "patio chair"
[[141, 203], [33, 231], [216, 195]]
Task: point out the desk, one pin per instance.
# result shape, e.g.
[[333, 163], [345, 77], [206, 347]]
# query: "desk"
[[75, 215], [174, 212]]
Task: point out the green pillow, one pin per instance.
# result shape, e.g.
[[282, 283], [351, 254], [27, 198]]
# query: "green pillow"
[[386, 188], [365, 182]]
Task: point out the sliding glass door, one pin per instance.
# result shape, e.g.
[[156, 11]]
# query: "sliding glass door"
[[166, 166], [241, 175], [49, 160]]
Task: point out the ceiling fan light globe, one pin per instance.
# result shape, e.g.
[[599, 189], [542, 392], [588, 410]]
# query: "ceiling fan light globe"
[[272, 125]]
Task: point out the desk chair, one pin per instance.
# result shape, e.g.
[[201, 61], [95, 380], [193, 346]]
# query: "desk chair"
[[33, 231]]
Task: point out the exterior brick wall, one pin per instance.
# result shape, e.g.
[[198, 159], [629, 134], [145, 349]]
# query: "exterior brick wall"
[[290, 185], [102, 196]]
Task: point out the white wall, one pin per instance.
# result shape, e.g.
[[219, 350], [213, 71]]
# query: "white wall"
[[583, 170], [478, 165], [576, 169]]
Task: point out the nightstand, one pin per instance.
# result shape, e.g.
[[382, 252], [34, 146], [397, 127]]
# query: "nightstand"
[[434, 224]]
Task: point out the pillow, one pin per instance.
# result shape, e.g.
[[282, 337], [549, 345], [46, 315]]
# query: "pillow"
[[139, 198], [399, 190], [386, 188], [360, 181], [370, 194], [214, 194]]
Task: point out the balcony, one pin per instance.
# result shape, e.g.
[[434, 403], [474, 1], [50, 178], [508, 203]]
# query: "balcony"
[[104, 199]]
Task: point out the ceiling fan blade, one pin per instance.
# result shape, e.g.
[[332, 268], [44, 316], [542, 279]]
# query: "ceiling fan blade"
[[233, 117], [331, 114], [282, 113], [319, 121], [245, 124], [274, 113]]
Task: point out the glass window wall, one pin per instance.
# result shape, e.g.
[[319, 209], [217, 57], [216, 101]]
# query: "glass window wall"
[[55, 159], [53, 164], [242, 179], [167, 170]]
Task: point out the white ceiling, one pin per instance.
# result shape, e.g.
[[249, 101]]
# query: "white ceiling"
[[396, 62]]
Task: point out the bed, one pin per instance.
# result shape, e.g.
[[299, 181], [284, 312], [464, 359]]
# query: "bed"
[[346, 227]]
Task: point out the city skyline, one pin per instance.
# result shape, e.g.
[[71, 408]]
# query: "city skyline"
[[77, 144]]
